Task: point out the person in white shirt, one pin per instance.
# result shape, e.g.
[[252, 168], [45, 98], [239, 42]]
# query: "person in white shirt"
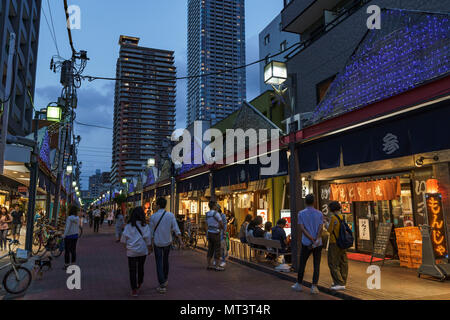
[[162, 225], [110, 218], [137, 239], [71, 237], [97, 217]]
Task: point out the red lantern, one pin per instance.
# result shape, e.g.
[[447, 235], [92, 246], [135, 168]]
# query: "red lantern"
[[432, 186]]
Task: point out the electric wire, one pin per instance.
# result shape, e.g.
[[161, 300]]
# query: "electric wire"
[[69, 31], [93, 125], [51, 33]]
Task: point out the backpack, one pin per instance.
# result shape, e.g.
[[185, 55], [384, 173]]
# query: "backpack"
[[345, 238]]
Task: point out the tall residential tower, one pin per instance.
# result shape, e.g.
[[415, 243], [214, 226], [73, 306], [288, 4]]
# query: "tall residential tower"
[[144, 110], [216, 41]]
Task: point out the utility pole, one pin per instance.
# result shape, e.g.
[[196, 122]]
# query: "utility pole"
[[7, 96]]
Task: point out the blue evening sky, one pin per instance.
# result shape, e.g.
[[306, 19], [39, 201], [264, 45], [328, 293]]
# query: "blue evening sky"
[[160, 24]]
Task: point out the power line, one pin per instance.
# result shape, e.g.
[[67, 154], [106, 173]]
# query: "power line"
[[92, 125], [293, 48], [51, 33], [53, 25]]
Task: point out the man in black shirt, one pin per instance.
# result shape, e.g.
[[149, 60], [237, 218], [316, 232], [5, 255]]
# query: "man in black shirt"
[[17, 220]]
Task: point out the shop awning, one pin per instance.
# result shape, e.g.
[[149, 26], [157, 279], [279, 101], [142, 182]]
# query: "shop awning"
[[419, 131], [197, 183], [163, 191]]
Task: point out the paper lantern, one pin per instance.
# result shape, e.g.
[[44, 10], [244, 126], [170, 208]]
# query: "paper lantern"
[[432, 186]]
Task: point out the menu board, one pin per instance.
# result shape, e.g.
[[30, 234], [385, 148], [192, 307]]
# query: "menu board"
[[382, 240], [286, 214]]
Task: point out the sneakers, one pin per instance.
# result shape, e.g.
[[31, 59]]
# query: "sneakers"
[[337, 287], [297, 287], [223, 264], [314, 290], [161, 290], [134, 293], [165, 284], [219, 268]]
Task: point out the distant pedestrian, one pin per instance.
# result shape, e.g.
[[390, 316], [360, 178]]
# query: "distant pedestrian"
[[223, 238], [137, 238], [102, 215], [17, 221], [91, 217], [243, 230], [162, 225], [110, 218], [71, 237], [214, 227], [97, 217], [5, 220], [337, 257], [310, 222], [120, 222]]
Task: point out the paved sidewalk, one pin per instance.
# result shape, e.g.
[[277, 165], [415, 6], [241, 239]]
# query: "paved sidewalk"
[[397, 283], [104, 270]]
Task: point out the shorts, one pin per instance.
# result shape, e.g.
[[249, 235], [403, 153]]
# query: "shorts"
[[15, 229]]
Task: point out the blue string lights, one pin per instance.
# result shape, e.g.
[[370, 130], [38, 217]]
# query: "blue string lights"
[[409, 56]]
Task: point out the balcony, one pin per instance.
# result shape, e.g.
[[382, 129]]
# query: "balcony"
[[299, 15]]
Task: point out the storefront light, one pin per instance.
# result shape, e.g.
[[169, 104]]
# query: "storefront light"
[[432, 186], [54, 113]]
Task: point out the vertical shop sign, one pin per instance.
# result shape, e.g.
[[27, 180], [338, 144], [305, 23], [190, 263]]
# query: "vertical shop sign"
[[364, 229], [437, 224], [286, 215]]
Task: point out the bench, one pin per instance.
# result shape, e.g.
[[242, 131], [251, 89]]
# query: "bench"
[[268, 246]]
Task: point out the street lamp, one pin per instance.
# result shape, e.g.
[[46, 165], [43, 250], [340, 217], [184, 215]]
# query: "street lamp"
[[124, 180], [69, 170], [52, 115], [275, 73], [74, 184], [151, 162]]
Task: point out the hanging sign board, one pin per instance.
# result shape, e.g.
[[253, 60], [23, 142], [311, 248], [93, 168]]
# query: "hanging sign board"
[[437, 223], [364, 229]]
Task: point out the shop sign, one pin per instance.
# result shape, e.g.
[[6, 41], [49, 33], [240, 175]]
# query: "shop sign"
[[205, 208], [22, 189], [264, 214], [194, 207], [364, 231], [286, 215], [436, 222], [379, 190], [240, 186]]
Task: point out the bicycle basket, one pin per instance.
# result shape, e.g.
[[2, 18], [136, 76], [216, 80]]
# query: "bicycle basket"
[[21, 256]]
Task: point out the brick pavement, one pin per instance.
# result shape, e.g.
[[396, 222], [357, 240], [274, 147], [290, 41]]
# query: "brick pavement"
[[104, 270]]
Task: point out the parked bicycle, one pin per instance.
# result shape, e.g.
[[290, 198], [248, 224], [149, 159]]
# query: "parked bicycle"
[[17, 279]]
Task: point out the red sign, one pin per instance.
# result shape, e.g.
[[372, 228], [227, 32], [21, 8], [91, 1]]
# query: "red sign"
[[22, 189]]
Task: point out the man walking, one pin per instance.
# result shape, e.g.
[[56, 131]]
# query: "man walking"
[[97, 217], [215, 225], [102, 216], [310, 222], [162, 225]]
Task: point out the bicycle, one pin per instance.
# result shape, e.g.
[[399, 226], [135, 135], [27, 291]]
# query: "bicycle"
[[190, 237], [17, 279]]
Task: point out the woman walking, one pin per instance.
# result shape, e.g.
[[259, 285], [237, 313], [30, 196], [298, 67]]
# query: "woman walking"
[[136, 236], [71, 237], [120, 221], [110, 218], [5, 220]]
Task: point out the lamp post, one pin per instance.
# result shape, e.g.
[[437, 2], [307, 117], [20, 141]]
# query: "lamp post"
[[52, 115], [275, 74]]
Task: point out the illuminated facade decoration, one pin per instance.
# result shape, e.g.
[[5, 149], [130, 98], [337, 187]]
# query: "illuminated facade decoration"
[[385, 66]]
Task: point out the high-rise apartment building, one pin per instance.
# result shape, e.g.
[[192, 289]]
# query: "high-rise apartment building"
[[21, 17], [216, 41], [144, 107]]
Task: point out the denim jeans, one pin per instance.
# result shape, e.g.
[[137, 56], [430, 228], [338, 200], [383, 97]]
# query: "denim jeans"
[[162, 263]]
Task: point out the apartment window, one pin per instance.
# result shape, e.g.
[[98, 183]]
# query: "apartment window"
[[267, 40], [322, 88], [283, 45]]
